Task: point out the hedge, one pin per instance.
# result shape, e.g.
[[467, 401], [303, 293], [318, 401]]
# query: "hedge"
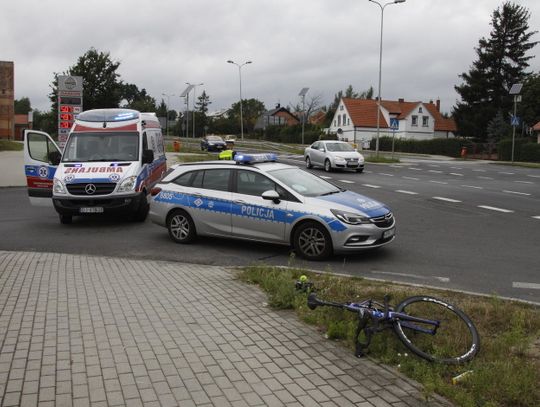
[[440, 146], [524, 150]]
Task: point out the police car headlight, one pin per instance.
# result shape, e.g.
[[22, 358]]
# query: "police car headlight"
[[58, 187], [340, 160], [128, 185], [349, 217]]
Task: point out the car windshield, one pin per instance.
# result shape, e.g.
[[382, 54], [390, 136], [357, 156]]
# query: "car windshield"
[[214, 138], [304, 182], [104, 146], [339, 147]]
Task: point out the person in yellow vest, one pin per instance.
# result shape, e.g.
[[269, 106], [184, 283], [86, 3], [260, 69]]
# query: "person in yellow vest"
[[227, 154]]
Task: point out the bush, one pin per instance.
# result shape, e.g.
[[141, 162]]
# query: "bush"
[[292, 134], [524, 150], [440, 146]]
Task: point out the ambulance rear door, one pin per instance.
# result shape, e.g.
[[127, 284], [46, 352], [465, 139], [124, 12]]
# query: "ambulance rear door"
[[41, 158]]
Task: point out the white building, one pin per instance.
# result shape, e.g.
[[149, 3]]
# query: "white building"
[[355, 120]]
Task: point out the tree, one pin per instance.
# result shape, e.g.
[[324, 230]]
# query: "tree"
[[201, 109], [498, 128], [251, 110], [311, 105], [102, 86], [137, 99], [502, 61], [529, 109], [22, 106]]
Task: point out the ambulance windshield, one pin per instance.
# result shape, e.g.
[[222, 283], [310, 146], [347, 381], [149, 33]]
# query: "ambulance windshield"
[[102, 146]]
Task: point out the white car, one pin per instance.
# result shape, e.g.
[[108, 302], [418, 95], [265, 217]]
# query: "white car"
[[254, 199], [333, 154]]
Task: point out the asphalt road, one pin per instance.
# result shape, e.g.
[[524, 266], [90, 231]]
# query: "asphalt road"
[[461, 225]]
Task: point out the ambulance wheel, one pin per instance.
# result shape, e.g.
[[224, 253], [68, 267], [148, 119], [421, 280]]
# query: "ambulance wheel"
[[142, 211], [181, 227], [65, 219], [312, 241]]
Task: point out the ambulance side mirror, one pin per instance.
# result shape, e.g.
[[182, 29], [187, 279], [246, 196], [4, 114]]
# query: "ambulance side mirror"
[[147, 157], [54, 157]]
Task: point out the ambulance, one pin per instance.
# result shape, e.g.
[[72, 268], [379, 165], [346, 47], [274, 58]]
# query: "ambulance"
[[111, 160]]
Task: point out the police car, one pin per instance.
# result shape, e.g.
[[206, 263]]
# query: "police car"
[[256, 198]]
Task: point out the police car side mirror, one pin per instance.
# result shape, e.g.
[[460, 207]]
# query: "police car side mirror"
[[54, 157], [271, 195], [147, 157]]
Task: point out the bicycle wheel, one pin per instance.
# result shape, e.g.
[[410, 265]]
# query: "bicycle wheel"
[[454, 341]]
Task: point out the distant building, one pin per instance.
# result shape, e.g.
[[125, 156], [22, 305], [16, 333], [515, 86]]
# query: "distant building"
[[280, 116], [7, 94], [355, 120], [536, 129], [21, 124]]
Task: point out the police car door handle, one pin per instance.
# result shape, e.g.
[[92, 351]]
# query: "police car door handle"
[[240, 202]]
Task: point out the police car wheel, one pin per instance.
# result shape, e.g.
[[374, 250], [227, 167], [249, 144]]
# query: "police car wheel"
[[181, 227], [327, 166], [312, 241], [308, 163]]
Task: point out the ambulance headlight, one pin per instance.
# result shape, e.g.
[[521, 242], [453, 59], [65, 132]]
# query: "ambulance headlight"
[[349, 217], [58, 187], [128, 185]]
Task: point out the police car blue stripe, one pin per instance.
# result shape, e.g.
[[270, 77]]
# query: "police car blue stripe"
[[250, 211]]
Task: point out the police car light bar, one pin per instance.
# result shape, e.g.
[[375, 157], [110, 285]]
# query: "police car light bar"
[[241, 158]]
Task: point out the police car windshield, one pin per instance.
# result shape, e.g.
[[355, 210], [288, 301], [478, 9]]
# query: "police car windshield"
[[85, 147], [339, 147], [304, 183]]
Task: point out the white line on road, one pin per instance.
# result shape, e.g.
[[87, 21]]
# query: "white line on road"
[[456, 168], [479, 170], [435, 171], [536, 217], [534, 286], [456, 174], [472, 186], [533, 176], [371, 186], [516, 193], [384, 173], [441, 279], [507, 173], [415, 169], [346, 181], [401, 191], [439, 182], [492, 208], [441, 198], [524, 182], [411, 178], [485, 177], [325, 177]]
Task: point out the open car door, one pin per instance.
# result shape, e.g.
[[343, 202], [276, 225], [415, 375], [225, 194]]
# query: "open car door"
[[41, 157]]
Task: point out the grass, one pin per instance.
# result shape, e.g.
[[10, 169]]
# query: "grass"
[[505, 373], [6, 145], [381, 159]]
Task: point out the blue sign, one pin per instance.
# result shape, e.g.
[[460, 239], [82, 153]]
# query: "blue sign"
[[515, 121], [394, 124]]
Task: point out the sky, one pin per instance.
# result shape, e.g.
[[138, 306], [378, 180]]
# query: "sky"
[[325, 45]]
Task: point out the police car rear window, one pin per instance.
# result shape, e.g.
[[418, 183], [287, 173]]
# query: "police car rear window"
[[108, 115]]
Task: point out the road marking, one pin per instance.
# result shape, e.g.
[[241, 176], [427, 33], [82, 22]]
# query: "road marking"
[[516, 193], [415, 169], [388, 175], [536, 217], [485, 177], [371, 186], [412, 178], [492, 208], [441, 198], [479, 170], [325, 177], [435, 171], [401, 191], [524, 182], [472, 186], [346, 181], [439, 182], [456, 168], [456, 174], [441, 279], [533, 176], [534, 286], [507, 173], [434, 165]]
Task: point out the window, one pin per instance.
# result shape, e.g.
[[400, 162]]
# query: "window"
[[425, 121], [341, 107], [415, 121], [252, 183], [216, 179], [339, 120], [344, 119], [39, 147], [420, 109], [185, 179], [348, 121]]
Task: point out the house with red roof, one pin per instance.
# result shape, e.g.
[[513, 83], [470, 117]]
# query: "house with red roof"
[[355, 120], [536, 129]]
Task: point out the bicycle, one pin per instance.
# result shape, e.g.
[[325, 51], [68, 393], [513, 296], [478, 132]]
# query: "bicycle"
[[431, 328]]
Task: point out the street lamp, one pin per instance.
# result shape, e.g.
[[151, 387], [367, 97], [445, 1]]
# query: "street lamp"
[[515, 90], [380, 70], [185, 94], [240, 76], [168, 104], [303, 95], [194, 87]]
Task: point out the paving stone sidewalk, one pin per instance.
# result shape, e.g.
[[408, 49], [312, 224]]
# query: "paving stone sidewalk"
[[95, 331]]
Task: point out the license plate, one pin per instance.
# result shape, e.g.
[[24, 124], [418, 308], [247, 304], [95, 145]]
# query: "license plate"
[[389, 233], [93, 209]]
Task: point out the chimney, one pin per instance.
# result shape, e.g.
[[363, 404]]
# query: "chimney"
[[401, 100], [438, 104], [278, 105]]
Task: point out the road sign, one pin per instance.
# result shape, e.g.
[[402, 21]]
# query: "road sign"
[[515, 121], [394, 124]]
